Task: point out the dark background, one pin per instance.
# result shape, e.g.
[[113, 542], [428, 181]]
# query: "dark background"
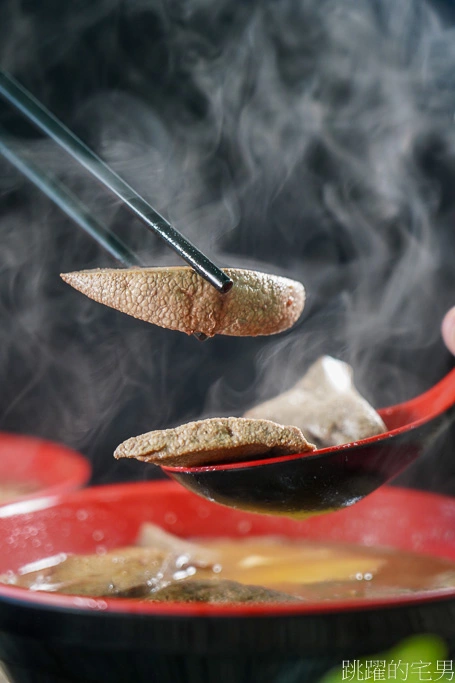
[[315, 139]]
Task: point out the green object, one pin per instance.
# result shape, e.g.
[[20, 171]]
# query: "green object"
[[418, 658]]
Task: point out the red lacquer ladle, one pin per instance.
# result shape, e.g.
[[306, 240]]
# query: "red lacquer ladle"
[[329, 478]]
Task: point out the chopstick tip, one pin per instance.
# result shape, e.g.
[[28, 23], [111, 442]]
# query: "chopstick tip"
[[226, 286]]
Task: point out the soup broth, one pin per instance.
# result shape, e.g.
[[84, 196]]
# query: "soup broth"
[[256, 569], [10, 490], [329, 571]]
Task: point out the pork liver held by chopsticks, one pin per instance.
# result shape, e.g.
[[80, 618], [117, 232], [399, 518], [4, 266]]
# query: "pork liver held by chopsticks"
[[179, 299]]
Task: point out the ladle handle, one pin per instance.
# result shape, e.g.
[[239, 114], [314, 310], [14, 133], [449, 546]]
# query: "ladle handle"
[[428, 405]]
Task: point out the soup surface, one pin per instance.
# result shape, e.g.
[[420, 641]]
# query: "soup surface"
[[10, 490], [161, 567]]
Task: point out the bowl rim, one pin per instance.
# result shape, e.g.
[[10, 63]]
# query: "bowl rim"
[[81, 468], [86, 604]]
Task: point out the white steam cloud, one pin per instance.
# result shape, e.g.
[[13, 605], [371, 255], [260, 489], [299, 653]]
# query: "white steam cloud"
[[314, 139]]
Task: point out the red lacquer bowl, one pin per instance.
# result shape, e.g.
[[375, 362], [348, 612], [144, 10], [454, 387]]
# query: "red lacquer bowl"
[[35, 467], [80, 639]]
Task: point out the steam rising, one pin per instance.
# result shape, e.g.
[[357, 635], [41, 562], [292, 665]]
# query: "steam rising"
[[313, 139]]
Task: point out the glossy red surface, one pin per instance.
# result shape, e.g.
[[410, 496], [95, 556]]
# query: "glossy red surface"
[[51, 467], [107, 517]]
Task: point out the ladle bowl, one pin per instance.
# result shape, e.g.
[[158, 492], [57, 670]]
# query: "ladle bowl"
[[329, 478]]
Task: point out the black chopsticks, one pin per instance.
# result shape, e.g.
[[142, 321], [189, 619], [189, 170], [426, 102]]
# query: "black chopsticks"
[[67, 202], [17, 96]]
